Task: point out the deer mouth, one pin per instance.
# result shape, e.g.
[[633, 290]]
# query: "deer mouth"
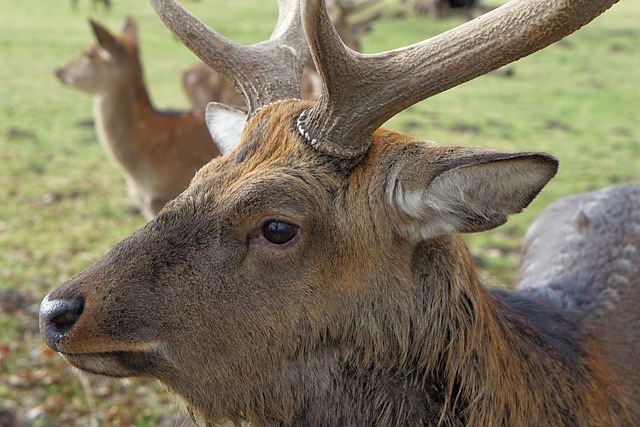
[[116, 363]]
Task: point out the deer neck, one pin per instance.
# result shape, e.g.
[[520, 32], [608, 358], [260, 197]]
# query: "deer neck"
[[496, 343], [121, 115]]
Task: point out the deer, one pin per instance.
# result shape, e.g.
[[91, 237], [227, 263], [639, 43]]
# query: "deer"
[[201, 84], [158, 152], [316, 272], [351, 30]]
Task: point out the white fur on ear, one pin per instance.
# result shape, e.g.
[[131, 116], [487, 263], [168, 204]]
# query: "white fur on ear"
[[471, 197], [105, 54], [225, 125]]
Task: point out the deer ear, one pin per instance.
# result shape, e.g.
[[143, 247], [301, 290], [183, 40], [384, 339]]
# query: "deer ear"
[[225, 125], [469, 190], [130, 28], [103, 36]]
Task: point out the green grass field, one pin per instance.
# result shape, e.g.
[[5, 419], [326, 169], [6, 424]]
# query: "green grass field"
[[63, 203]]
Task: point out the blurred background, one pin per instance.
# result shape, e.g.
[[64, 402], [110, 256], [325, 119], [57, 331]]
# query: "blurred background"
[[63, 201]]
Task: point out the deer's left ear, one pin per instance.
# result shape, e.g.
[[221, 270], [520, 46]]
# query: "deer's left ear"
[[130, 28], [226, 125], [105, 39], [466, 190]]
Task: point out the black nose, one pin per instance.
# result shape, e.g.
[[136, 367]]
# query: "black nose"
[[57, 317]]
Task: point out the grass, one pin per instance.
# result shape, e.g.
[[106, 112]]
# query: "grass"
[[63, 204]]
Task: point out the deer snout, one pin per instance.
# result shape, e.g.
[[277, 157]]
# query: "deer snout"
[[57, 317], [61, 75]]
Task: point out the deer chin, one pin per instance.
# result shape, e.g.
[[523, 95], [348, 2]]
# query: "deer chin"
[[133, 363]]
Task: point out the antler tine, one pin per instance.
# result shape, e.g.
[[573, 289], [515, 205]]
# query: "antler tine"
[[265, 72], [360, 92]]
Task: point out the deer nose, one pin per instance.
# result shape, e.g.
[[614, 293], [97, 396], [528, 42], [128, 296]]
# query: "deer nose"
[[57, 317], [60, 75]]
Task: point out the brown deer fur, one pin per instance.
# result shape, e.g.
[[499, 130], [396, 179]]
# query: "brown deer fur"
[[372, 313], [157, 151]]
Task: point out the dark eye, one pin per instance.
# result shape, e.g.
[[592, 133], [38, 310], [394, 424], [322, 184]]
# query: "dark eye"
[[279, 232]]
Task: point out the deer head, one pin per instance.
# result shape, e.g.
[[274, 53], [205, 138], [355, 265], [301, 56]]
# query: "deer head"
[[105, 63], [319, 245]]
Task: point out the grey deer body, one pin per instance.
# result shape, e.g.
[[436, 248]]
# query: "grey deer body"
[[315, 273]]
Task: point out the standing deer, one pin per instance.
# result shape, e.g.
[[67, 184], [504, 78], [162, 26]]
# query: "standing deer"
[[157, 151], [202, 85], [315, 274]]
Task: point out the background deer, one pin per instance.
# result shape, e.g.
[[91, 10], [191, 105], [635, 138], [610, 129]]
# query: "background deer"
[[352, 29], [315, 274], [157, 151], [202, 85]]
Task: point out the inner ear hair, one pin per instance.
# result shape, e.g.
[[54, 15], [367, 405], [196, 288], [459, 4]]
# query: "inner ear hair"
[[469, 193]]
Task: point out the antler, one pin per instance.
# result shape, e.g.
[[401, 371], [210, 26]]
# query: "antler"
[[360, 92], [264, 72]]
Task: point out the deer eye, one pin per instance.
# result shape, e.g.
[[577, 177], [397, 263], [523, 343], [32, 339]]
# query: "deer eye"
[[279, 232]]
